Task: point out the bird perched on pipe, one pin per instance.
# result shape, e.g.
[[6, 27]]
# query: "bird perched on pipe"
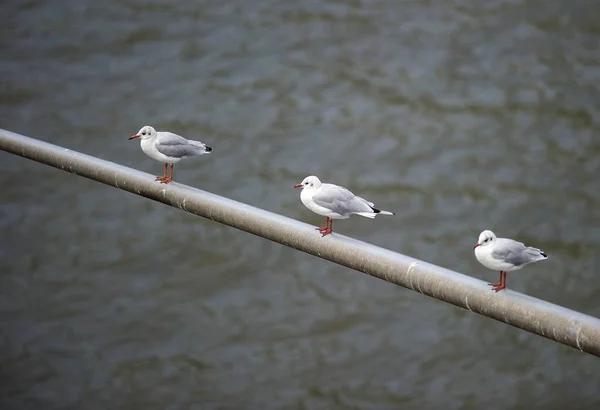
[[504, 255], [334, 202], [168, 148]]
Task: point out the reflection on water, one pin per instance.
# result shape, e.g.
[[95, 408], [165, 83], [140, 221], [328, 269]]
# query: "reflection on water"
[[457, 116]]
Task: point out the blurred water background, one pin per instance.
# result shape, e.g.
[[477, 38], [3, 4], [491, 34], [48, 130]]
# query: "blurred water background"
[[459, 115]]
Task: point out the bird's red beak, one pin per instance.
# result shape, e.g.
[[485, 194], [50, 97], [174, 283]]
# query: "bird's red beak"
[[298, 186], [476, 245], [134, 137]]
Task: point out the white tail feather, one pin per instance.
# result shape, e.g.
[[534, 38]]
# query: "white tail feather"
[[367, 214], [200, 145]]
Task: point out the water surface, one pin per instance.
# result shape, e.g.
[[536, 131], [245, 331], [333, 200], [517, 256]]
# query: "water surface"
[[457, 115]]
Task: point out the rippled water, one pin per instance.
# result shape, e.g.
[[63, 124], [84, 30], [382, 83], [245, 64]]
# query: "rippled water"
[[458, 115]]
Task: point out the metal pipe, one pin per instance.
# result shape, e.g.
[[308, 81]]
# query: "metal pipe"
[[554, 322]]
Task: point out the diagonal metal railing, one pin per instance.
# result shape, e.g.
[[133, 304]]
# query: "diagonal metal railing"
[[554, 322]]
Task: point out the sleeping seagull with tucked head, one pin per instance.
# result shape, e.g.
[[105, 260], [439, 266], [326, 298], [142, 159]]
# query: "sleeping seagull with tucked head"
[[334, 202], [168, 148], [504, 255]]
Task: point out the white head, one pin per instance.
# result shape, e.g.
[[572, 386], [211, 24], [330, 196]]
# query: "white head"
[[145, 133], [485, 238], [311, 182]]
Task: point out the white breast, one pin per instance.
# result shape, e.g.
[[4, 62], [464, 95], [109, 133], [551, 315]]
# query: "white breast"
[[484, 256], [306, 198], [149, 148]]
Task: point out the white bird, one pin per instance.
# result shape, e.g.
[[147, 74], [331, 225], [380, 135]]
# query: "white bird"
[[504, 255], [334, 202], [168, 148]]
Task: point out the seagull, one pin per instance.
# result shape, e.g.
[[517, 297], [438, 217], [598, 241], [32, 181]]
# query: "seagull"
[[504, 255], [334, 202], [168, 148]]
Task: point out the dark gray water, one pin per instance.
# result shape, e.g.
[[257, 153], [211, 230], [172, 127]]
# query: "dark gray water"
[[458, 115]]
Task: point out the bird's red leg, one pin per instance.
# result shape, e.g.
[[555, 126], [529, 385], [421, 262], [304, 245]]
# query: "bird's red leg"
[[167, 180], [161, 179], [329, 227], [497, 284], [323, 229], [501, 284]]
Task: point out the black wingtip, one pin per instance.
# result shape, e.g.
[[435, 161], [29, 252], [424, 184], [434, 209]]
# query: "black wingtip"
[[207, 149], [543, 254], [378, 211]]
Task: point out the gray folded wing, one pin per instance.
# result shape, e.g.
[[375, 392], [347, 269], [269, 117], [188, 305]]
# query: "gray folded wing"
[[515, 253], [175, 146], [340, 200]]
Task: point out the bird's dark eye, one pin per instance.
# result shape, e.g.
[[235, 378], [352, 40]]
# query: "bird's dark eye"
[[306, 183]]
